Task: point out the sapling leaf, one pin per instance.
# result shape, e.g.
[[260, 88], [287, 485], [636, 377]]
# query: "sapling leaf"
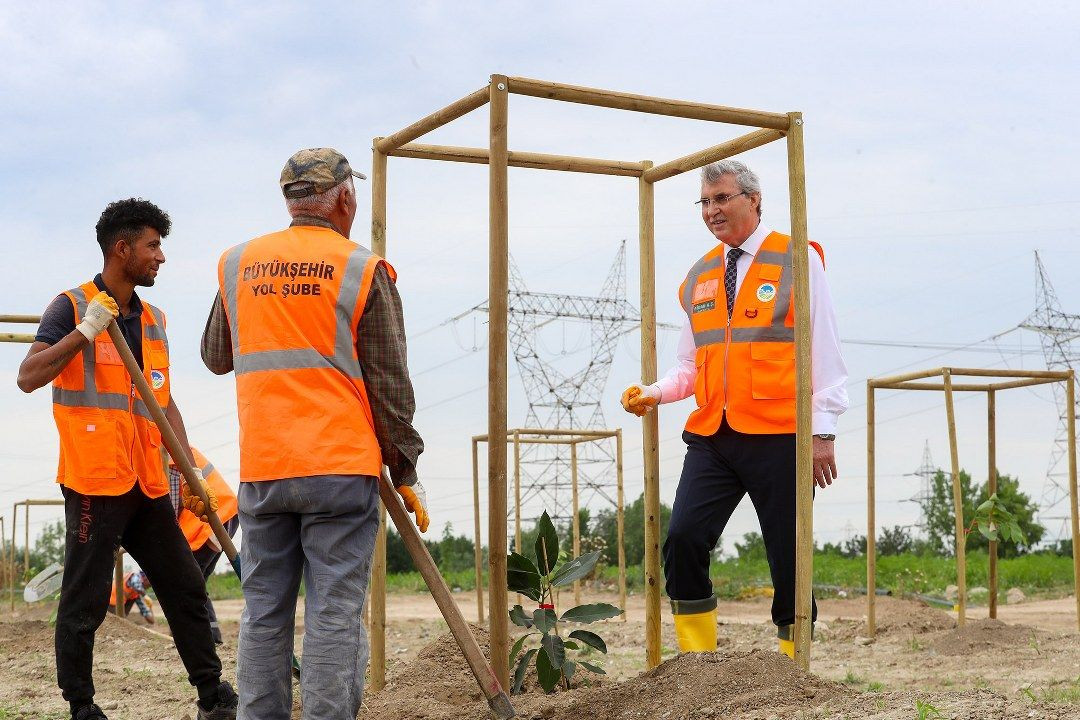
[[987, 533], [571, 645], [546, 673], [522, 576], [575, 569], [591, 639], [553, 646], [517, 648], [522, 669], [592, 668], [568, 669], [591, 613], [547, 544], [987, 504], [544, 619], [518, 617]]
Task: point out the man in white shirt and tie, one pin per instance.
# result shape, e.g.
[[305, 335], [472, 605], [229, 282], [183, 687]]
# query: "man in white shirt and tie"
[[736, 355]]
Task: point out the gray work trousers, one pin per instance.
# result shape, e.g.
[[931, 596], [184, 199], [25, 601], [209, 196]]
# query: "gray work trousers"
[[323, 527]]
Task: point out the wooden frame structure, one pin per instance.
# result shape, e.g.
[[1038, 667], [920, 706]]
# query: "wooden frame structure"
[[529, 436], [27, 504], [769, 126], [918, 381]]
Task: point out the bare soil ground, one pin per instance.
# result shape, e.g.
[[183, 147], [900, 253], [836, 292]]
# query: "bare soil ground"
[[1026, 664]]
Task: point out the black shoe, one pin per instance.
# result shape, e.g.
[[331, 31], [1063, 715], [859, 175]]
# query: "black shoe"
[[88, 712], [224, 707]]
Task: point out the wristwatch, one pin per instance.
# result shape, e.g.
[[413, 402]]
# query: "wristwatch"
[[823, 436]]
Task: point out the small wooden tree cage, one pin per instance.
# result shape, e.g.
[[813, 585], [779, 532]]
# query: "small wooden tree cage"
[[525, 436], [770, 126], [916, 381]]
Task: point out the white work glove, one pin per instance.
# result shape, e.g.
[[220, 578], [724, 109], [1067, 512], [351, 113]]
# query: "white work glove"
[[99, 313], [192, 502], [640, 399], [415, 500]]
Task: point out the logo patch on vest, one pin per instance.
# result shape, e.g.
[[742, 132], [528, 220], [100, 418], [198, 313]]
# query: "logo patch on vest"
[[703, 306], [766, 292], [705, 291], [157, 379]]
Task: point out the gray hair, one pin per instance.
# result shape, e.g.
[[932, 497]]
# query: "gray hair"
[[745, 178], [320, 204]]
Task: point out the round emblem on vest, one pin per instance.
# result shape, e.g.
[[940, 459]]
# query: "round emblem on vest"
[[766, 292], [157, 379]]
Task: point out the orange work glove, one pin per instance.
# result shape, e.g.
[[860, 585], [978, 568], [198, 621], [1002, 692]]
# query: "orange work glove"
[[415, 500], [192, 502], [639, 400]]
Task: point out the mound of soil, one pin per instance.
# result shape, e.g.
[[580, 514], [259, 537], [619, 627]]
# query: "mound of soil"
[[438, 686], [982, 635], [894, 616]]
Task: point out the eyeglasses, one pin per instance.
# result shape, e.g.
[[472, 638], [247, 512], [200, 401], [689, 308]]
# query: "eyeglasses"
[[718, 200]]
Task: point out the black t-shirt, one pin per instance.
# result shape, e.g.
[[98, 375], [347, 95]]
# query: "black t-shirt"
[[58, 321]]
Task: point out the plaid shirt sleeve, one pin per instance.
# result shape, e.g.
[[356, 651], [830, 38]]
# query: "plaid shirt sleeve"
[[135, 583], [380, 345], [216, 340]]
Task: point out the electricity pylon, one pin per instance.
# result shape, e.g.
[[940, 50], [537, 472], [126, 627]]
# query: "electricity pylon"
[[1058, 332]]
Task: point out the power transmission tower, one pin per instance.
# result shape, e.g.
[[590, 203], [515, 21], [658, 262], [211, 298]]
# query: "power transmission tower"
[[926, 471], [1058, 331], [560, 399]]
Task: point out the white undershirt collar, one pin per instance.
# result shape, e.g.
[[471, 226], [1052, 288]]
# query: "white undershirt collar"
[[753, 243]]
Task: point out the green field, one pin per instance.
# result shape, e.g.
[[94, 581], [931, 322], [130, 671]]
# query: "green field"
[[1038, 574]]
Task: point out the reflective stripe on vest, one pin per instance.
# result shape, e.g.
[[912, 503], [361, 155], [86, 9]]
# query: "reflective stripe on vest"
[[777, 332], [344, 358]]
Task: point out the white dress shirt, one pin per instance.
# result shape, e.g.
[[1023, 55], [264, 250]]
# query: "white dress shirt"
[[828, 375]]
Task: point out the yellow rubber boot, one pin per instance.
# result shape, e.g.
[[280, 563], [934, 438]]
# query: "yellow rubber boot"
[[788, 648], [697, 631]]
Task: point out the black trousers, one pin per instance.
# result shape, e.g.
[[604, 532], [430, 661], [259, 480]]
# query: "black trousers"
[[207, 558], [717, 472], [96, 526]]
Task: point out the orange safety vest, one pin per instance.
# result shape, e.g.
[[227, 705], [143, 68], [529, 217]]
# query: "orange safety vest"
[[108, 441], [195, 530], [293, 299], [129, 594], [745, 367]]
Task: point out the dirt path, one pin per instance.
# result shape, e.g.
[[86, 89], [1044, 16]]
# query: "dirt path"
[[985, 670]]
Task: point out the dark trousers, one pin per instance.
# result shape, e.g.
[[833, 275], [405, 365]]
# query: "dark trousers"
[[207, 558], [96, 526], [717, 472]]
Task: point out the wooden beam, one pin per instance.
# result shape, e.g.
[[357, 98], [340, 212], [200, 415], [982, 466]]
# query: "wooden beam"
[[16, 337], [536, 161], [498, 287], [1023, 383], [991, 464], [478, 551], [575, 522], [713, 154], [958, 504], [894, 379], [34, 319], [804, 460], [871, 520], [436, 119], [650, 429], [1070, 414], [619, 520], [984, 372], [647, 104], [968, 387], [377, 591]]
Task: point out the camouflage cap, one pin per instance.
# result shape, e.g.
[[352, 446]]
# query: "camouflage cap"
[[315, 170]]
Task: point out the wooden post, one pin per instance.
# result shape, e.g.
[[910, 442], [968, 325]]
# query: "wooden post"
[[871, 520], [478, 551], [650, 428], [118, 583], [26, 543], [14, 524], [804, 461], [619, 510], [517, 494], [575, 521], [1070, 409], [498, 288], [377, 590], [958, 503], [991, 453]]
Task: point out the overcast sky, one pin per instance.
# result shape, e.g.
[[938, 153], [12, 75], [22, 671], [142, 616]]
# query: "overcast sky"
[[940, 141]]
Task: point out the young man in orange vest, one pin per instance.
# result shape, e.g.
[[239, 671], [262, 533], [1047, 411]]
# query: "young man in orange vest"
[[311, 324], [190, 514], [112, 462], [736, 356]]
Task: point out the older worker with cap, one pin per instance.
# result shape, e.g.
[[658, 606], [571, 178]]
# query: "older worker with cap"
[[311, 325]]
